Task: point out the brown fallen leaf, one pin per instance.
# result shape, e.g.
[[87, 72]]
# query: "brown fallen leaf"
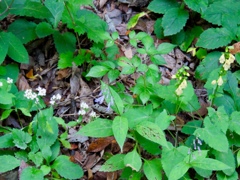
[[63, 73], [100, 144], [22, 83], [236, 48]]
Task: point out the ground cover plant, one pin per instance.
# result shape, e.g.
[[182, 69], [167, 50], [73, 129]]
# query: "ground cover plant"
[[119, 89]]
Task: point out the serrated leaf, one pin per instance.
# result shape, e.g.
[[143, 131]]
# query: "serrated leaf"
[[152, 169], [10, 163], [133, 160], [44, 29], [209, 164], [16, 50], [235, 122], [196, 5], [21, 138], [27, 31], [162, 6], [97, 128], [165, 48], [174, 20], [214, 37], [64, 42], [163, 120], [36, 10], [66, 168], [158, 29], [120, 129], [56, 8], [37, 158], [215, 138], [152, 132], [97, 71], [114, 163], [6, 141], [3, 46], [134, 20], [178, 171]]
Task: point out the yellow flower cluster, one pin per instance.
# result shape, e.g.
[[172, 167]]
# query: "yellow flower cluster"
[[219, 81], [180, 88], [226, 62]]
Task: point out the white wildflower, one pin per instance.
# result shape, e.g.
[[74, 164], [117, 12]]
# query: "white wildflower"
[[214, 82], [1, 84], [9, 80], [222, 59], [220, 81], [58, 96], [41, 91], [81, 112], [174, 76], [179, 91], [231, 58], [180, 88], [54, 98], [29, 94], [93, 114], [84, 105]]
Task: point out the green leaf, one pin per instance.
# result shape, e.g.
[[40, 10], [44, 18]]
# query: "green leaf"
[[228, 159], [25, 111], [36, 10], [37, 158], [238, 158], [214, 37], [152, 169], [152, 132], [144, 96], [117, 101], [44, 29], [196, 5], [178, 170], [5, 97], [66, 168], [133, 160], [97, 71], [191, 126], [10, 163], [65, 60], [21, 138], [174, 20], [165, 48], [134, 20], [158, 29], [27, 31], [113, 74], [209, 164], [56, 9], [6, 141], [215, 138], [120, 129], [235, 122], [162, 6], [64, 42], [16, 50], [163, 120], [6, 113], [114, 163], [3, 46], [209, 63], [97, 128]]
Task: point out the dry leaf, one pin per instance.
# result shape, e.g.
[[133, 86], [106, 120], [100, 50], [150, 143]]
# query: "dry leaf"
[[22, 83], [100, 144], [30, 75], [236, 48], [63, 73]]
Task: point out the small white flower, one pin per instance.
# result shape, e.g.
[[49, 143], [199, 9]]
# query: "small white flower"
[[9, 80], [214, 82], [222, 59], [81, 112], [58, 96], [41, 91], [179, 91], [84, 105], [54, 98], [231, 58], [220, 81], [1, 84], [93, 114], [174, 76]]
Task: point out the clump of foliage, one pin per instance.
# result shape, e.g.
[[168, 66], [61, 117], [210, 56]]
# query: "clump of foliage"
[[211, 147]]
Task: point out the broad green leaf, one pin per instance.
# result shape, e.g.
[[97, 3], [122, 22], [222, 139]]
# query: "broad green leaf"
[[3, 46], [8, 163], [152, 169], [228, 159], [144, 96], [222, 176], [6, 141], [165, 48], [36, 10], [25, 111], [148, 43], [163, 120], [16, 50], [45, 169], [6, 113], [113, 74], [64, 42], [98, 71], [134, 20], [191, 126], [178, 170], [56, 9], [158, 29], [27, 31], [235, 122], [152, 132], [215, 138], [66, 168], [209, 164], [133, 160], [120, 129], [21, 138], [196, 5], [156, 59], [97, 128], [207, 65], [5, 97], [174, 20], [37, 158], [114, 163], [162, 6], [213, 38], [65, 60], [238, 158], [44, 29]]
